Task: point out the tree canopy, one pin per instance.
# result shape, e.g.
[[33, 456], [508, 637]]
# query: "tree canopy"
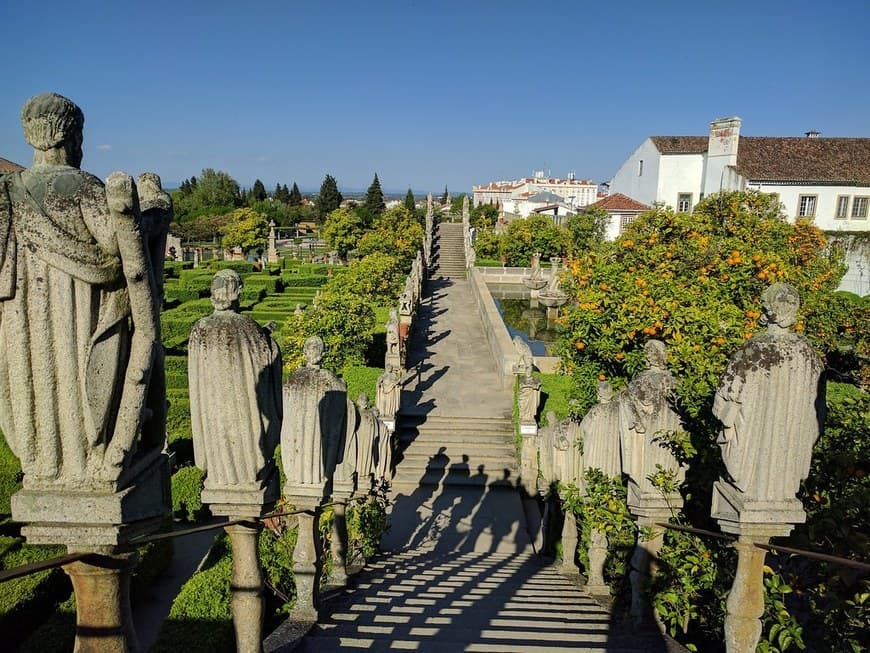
[[295, 198], [246, 229], [374, 203], [213, 192], [410, 203], [342, 230], [328, 199]]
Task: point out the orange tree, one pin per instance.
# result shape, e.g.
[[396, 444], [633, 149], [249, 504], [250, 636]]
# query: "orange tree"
[[693, 281]]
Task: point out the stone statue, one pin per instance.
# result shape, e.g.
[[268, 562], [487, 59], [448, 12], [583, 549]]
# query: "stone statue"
[[646, 415], [528, 398], [770, 402], [524, 363], [78, 318], [394, 354], [555, 449], [156, 213], [313, 431], [367, 432], [235, 393], [599, 431], [389, 392], [384, 450]]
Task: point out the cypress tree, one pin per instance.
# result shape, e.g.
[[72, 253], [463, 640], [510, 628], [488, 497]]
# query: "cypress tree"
[[295, 196], [374, 203], [258, 191], [329, 198], [410, 202], [445, 196]]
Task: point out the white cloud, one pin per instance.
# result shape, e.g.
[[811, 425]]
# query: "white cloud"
[[104, 148]]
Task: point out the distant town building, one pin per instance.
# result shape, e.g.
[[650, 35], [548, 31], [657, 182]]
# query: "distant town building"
[[574, 193]]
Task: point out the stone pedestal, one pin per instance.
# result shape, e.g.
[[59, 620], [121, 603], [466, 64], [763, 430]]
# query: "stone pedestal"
[[643, 562], [569, 543], [247, 602], [104, 623], [529, 458], [595, 584], [89, 518], [745, 603], [338, 544], [306, 566]]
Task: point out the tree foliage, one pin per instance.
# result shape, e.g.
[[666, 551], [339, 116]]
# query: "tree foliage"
[[410, 203], [396, 232], [328, 199], [214, 192], [374, 203], [535, 234], [258, 192], [377, 278], [342, 231], [246, 229], [587, 228], [295, 198]]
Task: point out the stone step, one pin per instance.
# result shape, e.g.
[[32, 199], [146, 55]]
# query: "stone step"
[[490, 459], [466, 440]]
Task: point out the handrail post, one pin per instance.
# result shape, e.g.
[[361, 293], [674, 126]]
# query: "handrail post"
[[745, 603]]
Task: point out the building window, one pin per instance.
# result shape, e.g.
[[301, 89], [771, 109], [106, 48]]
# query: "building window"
[[859, 207], [684, 202], [640, 168], [624, 221], [807, 206], [842, 211]]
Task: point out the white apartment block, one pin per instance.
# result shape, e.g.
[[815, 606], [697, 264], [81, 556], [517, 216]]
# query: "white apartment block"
[[574, 192]]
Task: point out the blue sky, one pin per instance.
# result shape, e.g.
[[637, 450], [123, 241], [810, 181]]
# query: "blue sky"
[[426, 93]]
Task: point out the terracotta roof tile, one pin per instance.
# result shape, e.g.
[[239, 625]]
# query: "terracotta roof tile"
[[778, 158], [8, 166], [619, 202]]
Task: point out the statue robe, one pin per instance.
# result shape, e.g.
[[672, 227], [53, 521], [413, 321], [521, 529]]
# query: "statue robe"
[[600, 433], [235, 399], [64, 324], [771, 403]]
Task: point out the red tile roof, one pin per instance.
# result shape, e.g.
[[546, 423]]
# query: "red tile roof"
[[619, 202], [775, 158], [8, 166]]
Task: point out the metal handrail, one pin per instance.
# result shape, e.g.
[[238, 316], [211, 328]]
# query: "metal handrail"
[[846, 562], [59, 561]]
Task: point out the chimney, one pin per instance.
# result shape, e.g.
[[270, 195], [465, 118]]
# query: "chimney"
[[721, 154], [812, 134]]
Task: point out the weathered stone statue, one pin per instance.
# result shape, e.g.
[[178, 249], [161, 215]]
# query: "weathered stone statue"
[[234, 370], [599, 432], [235, 400], [389, 393], [384, 451], [646, 417], [78, 339], [312, 439], [393, 355], [771, 404], [367, 433]]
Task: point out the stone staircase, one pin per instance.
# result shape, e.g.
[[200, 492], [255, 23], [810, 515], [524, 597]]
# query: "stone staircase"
[[457, 451], [450, 261]]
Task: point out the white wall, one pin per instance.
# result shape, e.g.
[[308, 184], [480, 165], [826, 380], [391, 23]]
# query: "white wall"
[[642, 188], [826, 204], [679, 173]]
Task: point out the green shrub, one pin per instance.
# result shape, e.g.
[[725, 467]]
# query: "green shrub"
[[303, 280], [187, 494], [242, 267], [270, 283], [176, 372], [198, 280], [10, 470], [361, 379], [25, 601], [57, 633], [200, 619], [556, 391]]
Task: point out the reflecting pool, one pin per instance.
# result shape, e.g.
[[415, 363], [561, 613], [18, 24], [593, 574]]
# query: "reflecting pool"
[[525, 318]]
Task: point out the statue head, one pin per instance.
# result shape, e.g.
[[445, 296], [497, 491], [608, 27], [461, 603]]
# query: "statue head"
[[53, 122], [362, 401], [225, 290], [312, 351], [780, 303], [151, 193], [656, 354], [604, 391]]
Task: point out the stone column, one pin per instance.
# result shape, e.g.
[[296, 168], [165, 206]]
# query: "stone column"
[[595, 584], [247, 602], [306, 566], [569, 543], [104, 623], [643, 564], [338, 545], [745, 603]]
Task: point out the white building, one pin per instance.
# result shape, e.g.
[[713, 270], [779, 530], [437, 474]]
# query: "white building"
[[574, 192], [622, 210], [826, 180], [542, 203]]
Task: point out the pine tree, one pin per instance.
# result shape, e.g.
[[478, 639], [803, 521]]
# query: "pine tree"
[[445, 196], [374, 203], [295, 196], [258, 191], [410, 202], [329, 198]]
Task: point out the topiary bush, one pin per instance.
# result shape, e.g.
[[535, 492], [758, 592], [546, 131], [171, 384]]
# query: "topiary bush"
[[187, 485]]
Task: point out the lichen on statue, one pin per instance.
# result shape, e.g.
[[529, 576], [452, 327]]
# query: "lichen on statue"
[[78, 321]]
